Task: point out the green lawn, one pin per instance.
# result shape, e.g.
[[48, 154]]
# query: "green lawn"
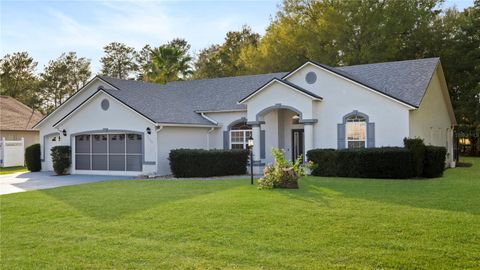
[[8, 170], [227, 224]]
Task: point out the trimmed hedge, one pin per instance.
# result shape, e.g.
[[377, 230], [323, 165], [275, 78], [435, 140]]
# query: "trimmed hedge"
[[32, 158], [417, 147], [325, 161], [385, 162], [61, 159], [205, 163], [434, 163]]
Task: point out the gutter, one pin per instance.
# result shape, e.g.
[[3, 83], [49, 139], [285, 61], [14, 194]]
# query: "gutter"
[[208, 118]]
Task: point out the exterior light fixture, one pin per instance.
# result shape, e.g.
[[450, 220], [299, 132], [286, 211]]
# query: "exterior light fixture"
[[149, 131], [250, 142], [64, 132], [250, 147]]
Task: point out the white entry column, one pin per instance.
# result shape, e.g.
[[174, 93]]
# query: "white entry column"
[[256, 142], [308, 133]]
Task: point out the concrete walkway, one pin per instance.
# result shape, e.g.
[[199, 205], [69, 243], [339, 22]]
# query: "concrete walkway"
[[23, 181]]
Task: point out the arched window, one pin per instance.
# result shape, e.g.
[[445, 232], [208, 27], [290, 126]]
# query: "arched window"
[[356, 131], [239, 134]]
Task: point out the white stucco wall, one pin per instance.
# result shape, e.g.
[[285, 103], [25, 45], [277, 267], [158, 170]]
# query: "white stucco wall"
[[91, 118], [169, 138], [341, 97], [431, 121]]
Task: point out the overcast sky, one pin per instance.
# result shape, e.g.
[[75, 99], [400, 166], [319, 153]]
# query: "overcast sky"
[[47, 28]]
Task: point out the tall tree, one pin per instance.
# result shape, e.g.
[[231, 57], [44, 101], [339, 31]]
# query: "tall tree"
[[457, 42], [62, 77], [343, 33], [168, 62], [18, 79], [119, 61], [223, 60]]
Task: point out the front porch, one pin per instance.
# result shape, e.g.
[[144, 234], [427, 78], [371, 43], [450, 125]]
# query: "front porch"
[[281, 127]]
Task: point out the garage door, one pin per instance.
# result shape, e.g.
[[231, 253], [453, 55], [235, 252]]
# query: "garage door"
[[109, 152]]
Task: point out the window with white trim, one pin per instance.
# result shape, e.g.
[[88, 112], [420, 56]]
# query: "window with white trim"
[[239, 134], [356, 131]]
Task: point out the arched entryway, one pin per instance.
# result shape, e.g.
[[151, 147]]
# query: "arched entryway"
[[285, 128]]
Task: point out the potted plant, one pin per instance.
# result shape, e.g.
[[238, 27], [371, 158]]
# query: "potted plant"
[[282, 173]]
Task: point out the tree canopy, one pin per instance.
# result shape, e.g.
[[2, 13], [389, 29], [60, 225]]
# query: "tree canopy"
[[333, 32]]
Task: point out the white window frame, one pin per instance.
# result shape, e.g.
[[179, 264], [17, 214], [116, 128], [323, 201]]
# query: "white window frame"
[[245, 138], [347, 122]]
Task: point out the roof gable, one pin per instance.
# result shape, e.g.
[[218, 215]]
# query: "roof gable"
[[403, 81], [285, 83]]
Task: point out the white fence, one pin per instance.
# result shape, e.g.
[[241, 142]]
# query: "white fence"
[[12, 153]]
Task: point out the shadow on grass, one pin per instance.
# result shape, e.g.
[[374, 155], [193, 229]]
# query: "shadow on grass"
[[458, 190], [113, 200]]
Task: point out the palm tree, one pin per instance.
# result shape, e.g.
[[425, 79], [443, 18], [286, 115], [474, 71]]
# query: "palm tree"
[[168, 63]]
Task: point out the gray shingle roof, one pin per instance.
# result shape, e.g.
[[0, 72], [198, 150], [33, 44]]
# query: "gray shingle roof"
[[403, 80], [177, 102]]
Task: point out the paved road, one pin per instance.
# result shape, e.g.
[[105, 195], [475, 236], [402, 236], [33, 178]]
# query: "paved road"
[[23, 181]]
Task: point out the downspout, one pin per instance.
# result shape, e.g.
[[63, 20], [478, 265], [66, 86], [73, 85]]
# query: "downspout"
[[208, 136], [209, 119], [158, 129]]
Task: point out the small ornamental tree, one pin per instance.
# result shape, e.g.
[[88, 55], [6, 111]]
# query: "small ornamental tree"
[[61, 159]]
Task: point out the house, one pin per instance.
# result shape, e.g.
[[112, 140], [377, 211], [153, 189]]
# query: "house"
[[129, 127], [17, 120]]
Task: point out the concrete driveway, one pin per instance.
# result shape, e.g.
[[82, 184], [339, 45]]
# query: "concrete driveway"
[[23, 181]]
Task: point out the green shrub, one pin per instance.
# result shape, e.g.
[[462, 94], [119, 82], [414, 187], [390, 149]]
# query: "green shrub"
[[32, 158], [385, 162], [283, 173], [61, 159], [417, 147], [325, 161], [434, 163], [205, 163]]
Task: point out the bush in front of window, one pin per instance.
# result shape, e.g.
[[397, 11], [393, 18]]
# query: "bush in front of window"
[[32, 158], [61, 159], [206, 163], [417, 147], [434, 162], [384, 162]]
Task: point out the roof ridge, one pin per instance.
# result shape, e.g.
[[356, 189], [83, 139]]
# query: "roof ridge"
[[184, 81], [228, 77], [388, 62]]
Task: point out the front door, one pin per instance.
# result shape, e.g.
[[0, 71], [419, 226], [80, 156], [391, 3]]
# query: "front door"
[[297, 143]]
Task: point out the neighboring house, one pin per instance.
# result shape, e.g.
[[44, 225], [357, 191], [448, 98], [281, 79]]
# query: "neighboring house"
[[129, 127], [17, 120]]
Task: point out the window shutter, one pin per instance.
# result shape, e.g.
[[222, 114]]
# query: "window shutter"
[[262, 143], [340, 136], [370, 135], [225, 140]]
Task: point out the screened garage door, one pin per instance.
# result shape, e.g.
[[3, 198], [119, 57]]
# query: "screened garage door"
[[109, 152]]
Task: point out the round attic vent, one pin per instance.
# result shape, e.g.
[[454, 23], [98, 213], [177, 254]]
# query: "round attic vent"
[[105, 104], [311, 77]]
